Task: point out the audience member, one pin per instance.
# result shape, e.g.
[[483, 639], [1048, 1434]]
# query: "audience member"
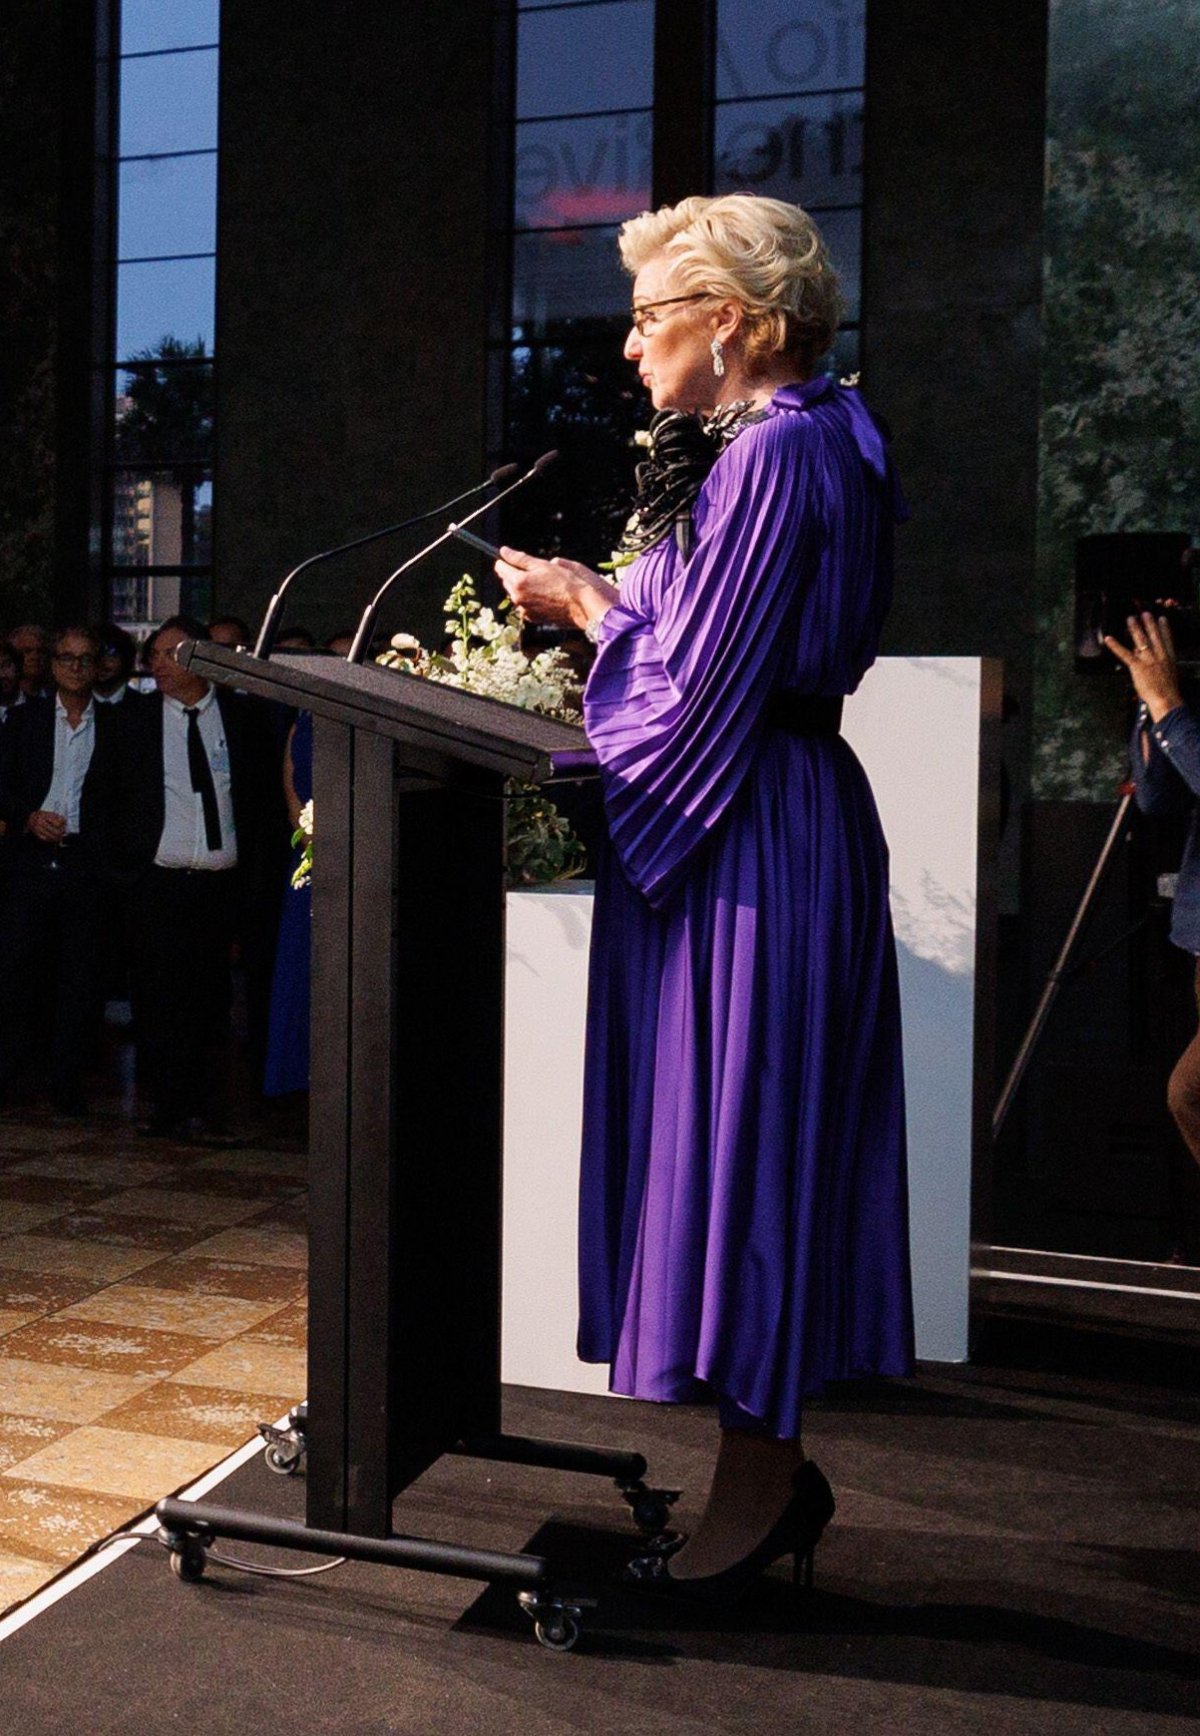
[[230, 630], [183, 797], [340, 643], [51, 909], [10, 680], [114, 669], [296, 639], [32, 645]]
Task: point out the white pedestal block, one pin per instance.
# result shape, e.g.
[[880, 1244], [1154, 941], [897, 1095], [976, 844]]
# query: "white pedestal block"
[[915, 724]]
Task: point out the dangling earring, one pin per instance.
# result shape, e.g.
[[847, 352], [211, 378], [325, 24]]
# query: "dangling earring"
[[718, 356]]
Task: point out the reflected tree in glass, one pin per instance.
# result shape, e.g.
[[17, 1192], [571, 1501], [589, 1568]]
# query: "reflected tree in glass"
[[165, 419], [575, 391]]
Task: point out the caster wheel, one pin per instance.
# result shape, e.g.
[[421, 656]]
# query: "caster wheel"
[[650, 1513], [558, 1633], [188, 1560], [279, 1460]]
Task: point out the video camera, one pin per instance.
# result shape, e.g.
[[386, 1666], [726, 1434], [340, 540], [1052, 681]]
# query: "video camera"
[[1125, 572]]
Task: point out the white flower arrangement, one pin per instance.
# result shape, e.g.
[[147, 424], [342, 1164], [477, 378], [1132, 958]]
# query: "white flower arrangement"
[[483, 655], [302, 873]]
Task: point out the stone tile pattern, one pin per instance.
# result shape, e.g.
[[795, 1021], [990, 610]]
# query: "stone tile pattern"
[[152, 1311]]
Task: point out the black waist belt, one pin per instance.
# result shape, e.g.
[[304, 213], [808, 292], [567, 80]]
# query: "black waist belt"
[[805, 713]]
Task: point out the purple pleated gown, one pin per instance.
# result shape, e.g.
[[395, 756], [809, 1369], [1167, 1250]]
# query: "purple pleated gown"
[[743, 1217]]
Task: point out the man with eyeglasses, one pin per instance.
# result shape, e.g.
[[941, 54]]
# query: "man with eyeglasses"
[[53, 900], [184, 796]]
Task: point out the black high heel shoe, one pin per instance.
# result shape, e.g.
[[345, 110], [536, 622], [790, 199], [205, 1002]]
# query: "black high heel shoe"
[[796, 1532]]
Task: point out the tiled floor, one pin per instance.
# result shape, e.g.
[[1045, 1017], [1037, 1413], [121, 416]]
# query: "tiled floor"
[[151, 1313]]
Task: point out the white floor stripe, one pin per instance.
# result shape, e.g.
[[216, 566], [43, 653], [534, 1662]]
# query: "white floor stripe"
[[76, 1576], [1084, 1284], [1099, 1259]]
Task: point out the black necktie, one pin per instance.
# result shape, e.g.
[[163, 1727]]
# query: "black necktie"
[[202, 779]]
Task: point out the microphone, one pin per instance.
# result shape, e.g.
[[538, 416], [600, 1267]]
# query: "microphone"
[[366, 627], [267, 633]]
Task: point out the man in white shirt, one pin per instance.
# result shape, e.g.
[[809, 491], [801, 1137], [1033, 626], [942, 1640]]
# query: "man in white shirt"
[[186, 795], [49, 922]]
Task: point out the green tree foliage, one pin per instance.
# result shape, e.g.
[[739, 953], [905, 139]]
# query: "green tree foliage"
[[168, 413], [167, 419], [1120, 427]]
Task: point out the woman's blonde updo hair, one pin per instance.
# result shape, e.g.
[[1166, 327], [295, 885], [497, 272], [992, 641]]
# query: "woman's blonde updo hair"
[[760, 252]]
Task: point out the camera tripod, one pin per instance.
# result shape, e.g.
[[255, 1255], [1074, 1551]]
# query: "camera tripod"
[[1059, 972]]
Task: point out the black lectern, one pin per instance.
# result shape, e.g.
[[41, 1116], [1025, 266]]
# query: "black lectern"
[[406, 1120]]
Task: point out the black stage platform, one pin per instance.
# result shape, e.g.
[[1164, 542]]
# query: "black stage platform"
[[1015, 1551]]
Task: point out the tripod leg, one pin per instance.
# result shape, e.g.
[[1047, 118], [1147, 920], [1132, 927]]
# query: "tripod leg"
[[1054, 980]]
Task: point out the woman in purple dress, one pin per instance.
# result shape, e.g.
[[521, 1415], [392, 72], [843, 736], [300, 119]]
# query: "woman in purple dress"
[[743, 1227]]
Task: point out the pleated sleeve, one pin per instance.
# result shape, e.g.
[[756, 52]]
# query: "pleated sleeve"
[[674, 704]]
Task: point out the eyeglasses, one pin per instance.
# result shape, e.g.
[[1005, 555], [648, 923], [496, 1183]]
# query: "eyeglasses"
[[73, 661], [638, 315]]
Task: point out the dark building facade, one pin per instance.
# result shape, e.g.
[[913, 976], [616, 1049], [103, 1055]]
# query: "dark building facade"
[[364, 246]]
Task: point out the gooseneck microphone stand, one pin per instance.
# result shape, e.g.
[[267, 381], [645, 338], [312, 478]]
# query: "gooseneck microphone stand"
[[267, 633], [366, 627]]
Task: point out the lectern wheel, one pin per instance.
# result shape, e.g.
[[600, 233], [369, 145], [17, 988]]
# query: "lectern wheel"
[[558, 1632], [189, 1559], [651, 1511], [279, 1460]]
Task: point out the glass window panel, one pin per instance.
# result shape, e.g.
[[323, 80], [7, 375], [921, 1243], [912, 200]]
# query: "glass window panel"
[[795, 45], [584, 399], [162, 518], [127, 600], [842, 232], [147, 25], [169, 103], [163, 415], [142, 600], [563, 276], [575, 60], [804, 149], [172, 298], [842, 360], [595, 170], [168, 205]]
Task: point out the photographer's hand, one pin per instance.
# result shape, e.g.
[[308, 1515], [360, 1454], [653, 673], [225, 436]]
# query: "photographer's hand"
[[1151, 663]]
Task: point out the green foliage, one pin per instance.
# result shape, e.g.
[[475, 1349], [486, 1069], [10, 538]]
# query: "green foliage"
[[1120, 428], [540, 847]]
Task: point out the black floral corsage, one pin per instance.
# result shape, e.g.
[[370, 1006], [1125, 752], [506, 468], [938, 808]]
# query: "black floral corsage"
[[681, 449]]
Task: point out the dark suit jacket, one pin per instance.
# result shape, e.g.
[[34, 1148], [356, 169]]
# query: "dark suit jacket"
[[131, 696], [124, 800], [27, 766]]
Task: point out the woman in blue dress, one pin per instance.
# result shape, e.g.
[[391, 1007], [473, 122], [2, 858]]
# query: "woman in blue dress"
[[743, 1223], [287, 1032]]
